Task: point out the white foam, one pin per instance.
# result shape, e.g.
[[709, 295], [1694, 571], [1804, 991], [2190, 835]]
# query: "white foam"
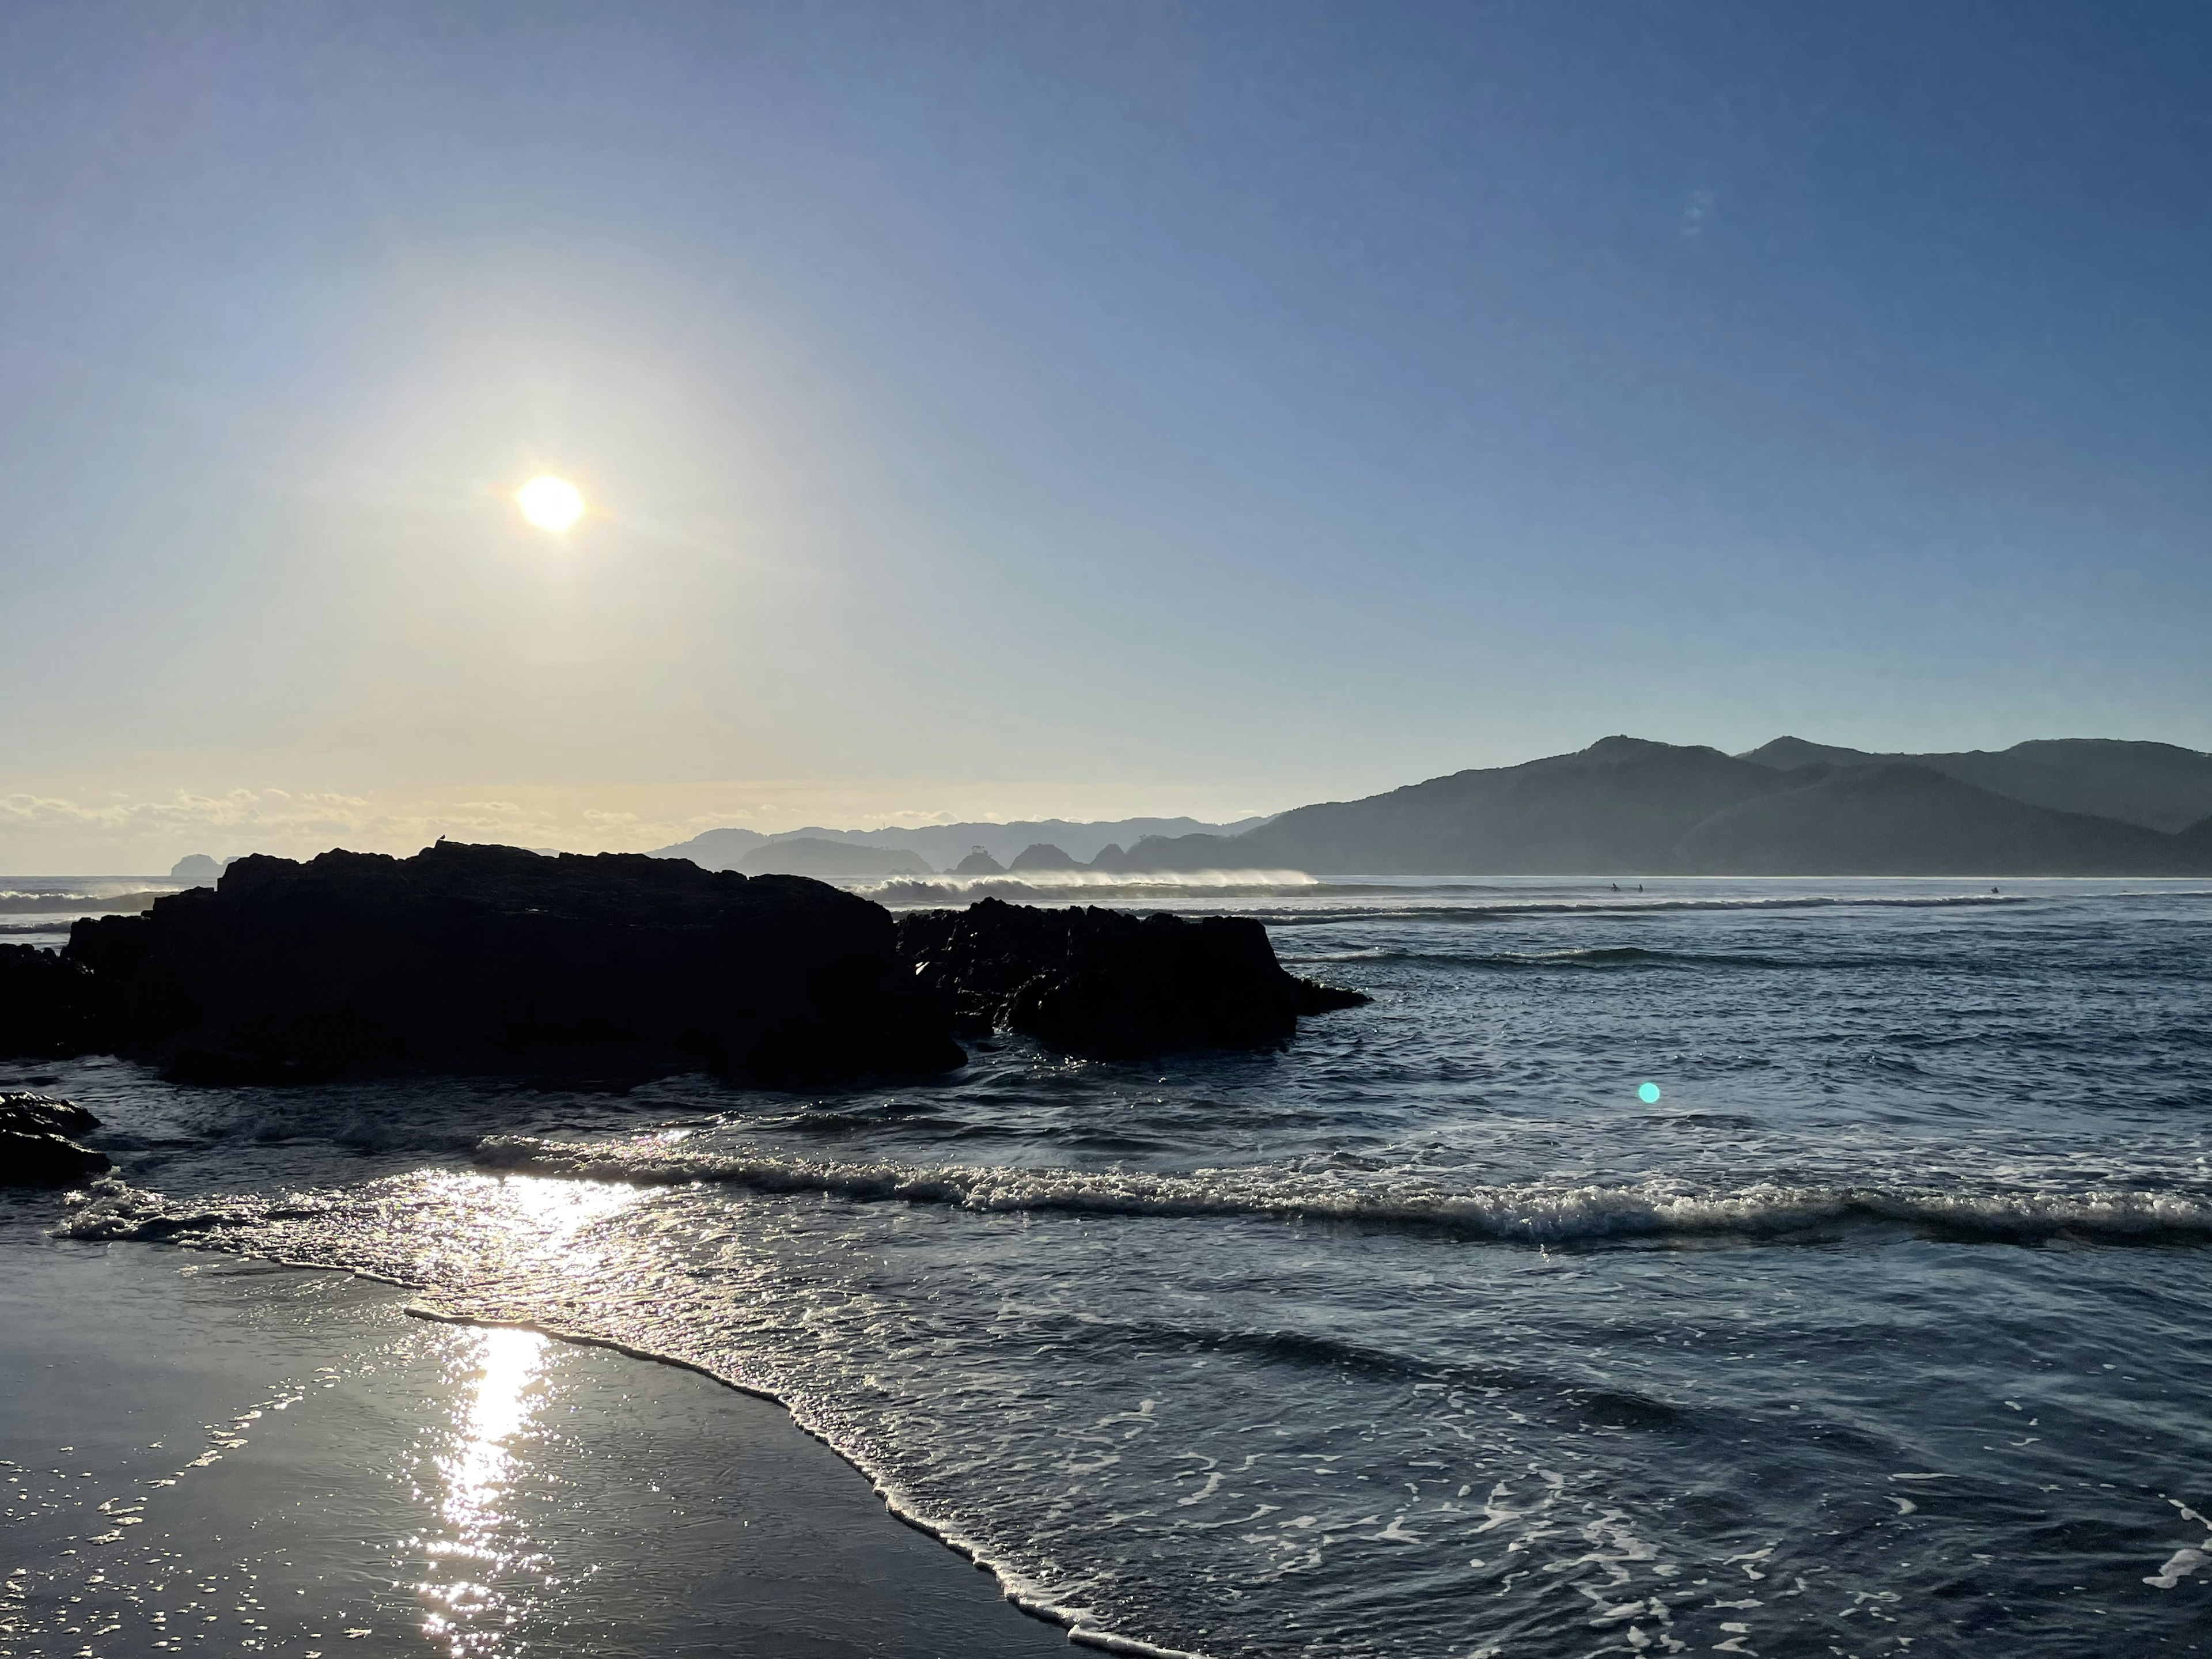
[[1531, 1213], [1069, 886]]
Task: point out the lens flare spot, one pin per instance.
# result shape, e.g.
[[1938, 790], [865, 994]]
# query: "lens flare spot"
[[1647, 1093]]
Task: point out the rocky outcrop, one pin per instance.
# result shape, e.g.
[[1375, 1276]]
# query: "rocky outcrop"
[[979, 862], [1042, 856], [48, 1005], [1110, 985], [466, 958], [35, 1148]]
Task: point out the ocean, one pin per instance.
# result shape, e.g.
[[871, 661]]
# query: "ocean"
[[1777, 1267]]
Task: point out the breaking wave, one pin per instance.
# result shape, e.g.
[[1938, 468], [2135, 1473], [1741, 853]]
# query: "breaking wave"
[[1625, 905], [1530, 1213], [1065, 886]]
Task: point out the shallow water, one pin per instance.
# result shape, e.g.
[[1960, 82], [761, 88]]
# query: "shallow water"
[[1883, 1329]]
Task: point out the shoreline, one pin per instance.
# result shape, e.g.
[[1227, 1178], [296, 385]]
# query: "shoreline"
[[895, 1504], [505, 1480]]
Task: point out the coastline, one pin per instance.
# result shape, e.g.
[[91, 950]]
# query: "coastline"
[[205, 1452]]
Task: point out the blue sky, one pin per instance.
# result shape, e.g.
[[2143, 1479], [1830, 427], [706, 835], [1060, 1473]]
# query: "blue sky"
[[995, 411]]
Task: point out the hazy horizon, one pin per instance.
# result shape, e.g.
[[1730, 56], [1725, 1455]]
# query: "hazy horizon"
[[988, 412], [78, 840]]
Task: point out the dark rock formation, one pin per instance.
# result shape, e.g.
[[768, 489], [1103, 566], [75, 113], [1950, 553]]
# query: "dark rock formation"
[[1042, 856], [197, 868], [48, 1005], [35, 1148], [979, 863], [1110, 985], [470, 958]]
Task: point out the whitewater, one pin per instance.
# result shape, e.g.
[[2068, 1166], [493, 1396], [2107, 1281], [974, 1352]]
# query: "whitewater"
[[1885, 1328]]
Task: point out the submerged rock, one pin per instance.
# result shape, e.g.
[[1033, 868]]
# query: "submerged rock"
[[467, 958], [35, 1148], [1110, 985]]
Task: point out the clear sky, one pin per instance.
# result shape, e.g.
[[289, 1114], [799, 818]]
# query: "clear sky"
[[998, 411]]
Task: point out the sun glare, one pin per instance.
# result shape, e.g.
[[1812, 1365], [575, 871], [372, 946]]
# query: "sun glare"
[[551, 503]]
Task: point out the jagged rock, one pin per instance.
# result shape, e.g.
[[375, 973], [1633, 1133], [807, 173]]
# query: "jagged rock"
[[35, 1148], [466, 958], [979, 862], [1111, 985], [44, 1114], [1042, 856]]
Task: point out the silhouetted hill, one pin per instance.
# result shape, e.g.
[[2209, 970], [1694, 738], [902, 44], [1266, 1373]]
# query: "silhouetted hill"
[[1619, 805], [945, 844], [1042, 856], [1897, 820], [717, 849], [2156, 785], [803, 856], [1627, 806]]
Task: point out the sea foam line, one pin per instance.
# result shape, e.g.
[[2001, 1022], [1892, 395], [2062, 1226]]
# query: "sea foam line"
[[1525, 1214], [111, 1209]]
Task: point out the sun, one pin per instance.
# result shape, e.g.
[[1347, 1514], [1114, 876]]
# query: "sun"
[[551, 503]]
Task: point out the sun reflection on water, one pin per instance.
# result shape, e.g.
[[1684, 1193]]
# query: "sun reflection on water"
[[468, 1605], [486, 1573]]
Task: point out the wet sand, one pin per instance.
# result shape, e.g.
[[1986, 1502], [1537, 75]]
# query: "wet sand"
[[205, 1454]]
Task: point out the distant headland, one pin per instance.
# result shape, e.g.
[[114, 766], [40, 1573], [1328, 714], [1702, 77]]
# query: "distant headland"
[[2060, 807]]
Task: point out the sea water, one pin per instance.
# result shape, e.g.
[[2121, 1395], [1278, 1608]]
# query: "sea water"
[[1885, 1329]]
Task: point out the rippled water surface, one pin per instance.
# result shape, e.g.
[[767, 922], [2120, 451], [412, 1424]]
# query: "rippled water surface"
[[1884, 1328]]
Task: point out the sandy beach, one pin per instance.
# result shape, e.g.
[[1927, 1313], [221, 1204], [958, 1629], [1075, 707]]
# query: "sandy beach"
[[207, 1454]]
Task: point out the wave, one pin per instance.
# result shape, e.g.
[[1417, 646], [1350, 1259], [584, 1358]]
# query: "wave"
[[1062, 886], [1610, 906], [78, 904], [1528, 1214], [1628, 956], [114, 1210]]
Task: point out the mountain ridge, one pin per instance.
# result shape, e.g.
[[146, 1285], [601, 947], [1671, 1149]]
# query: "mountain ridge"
[[2160, 785], [1628, 806]]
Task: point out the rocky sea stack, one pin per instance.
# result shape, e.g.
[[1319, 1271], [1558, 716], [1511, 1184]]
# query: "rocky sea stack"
[[466, 958], [1110, 985]]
